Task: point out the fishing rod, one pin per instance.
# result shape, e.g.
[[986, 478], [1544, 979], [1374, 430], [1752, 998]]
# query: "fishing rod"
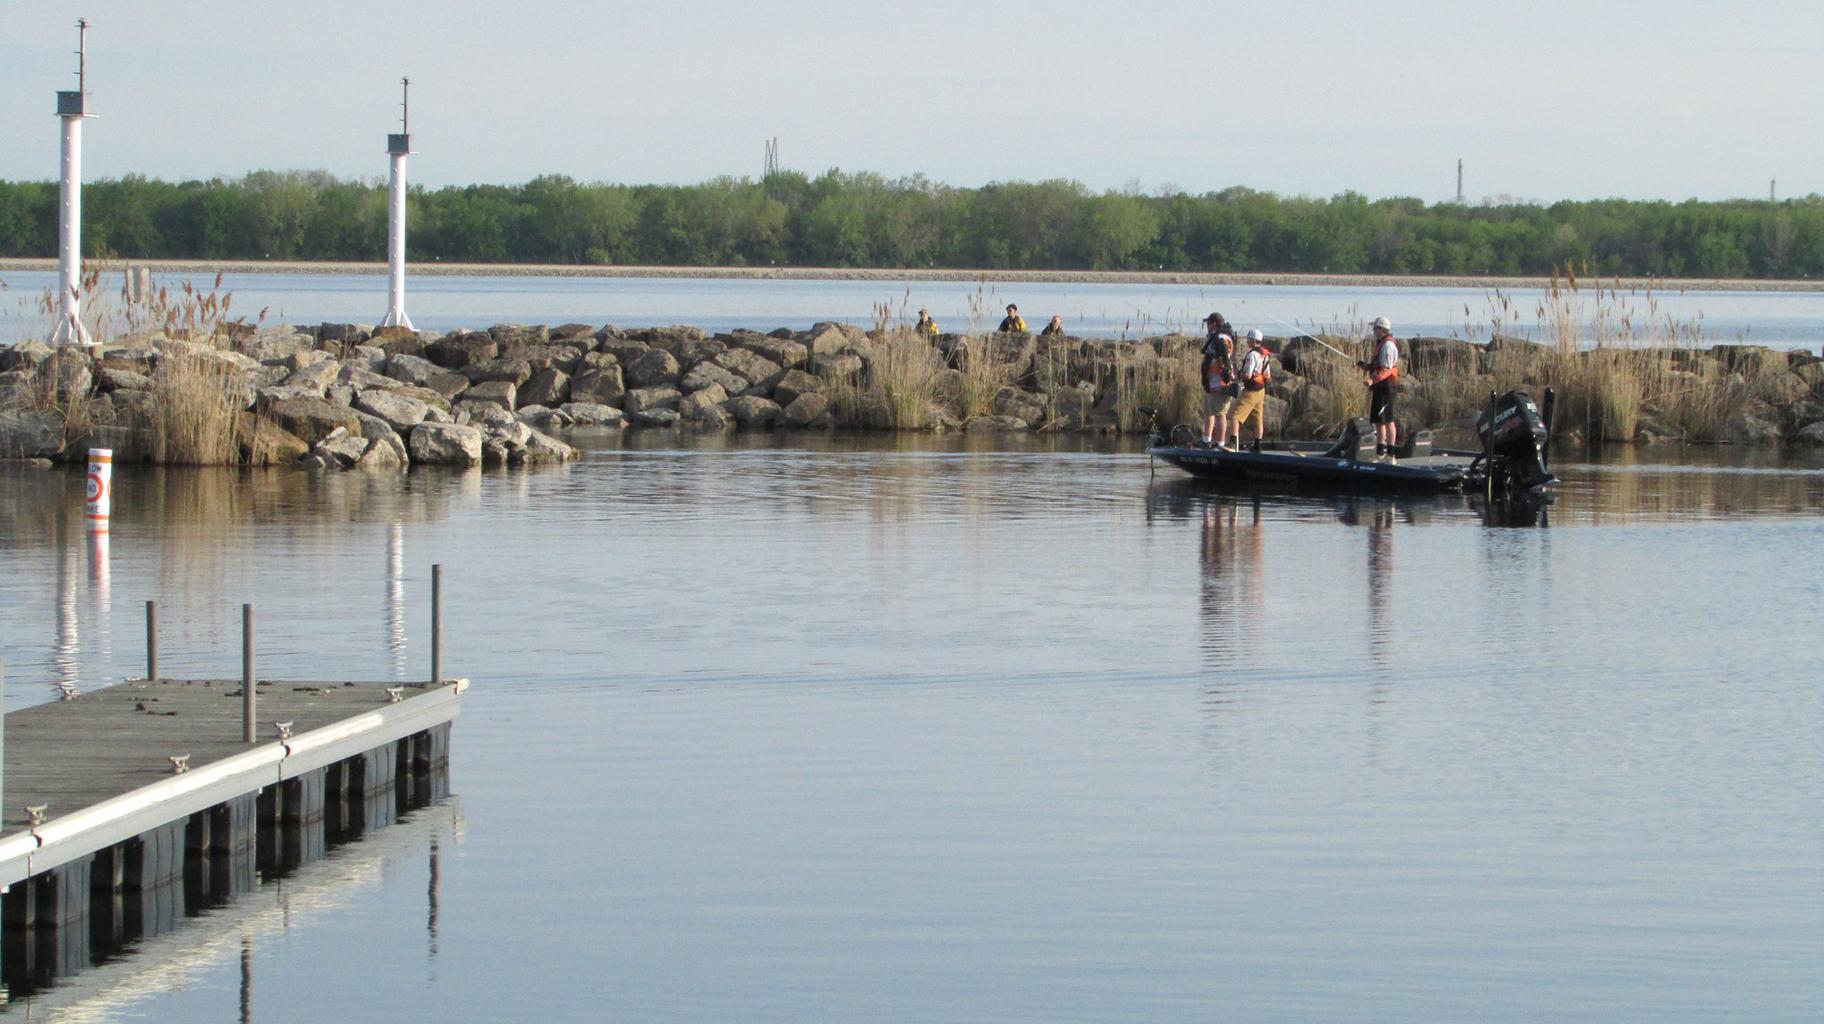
[[1302, 333]]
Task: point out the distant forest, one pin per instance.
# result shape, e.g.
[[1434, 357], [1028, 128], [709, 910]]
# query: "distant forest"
[[864, 220]]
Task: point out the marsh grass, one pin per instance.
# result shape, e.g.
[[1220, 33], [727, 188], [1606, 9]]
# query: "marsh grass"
[[194, 413]]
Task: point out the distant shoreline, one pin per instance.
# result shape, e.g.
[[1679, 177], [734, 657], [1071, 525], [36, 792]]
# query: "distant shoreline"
[[1186, 278]]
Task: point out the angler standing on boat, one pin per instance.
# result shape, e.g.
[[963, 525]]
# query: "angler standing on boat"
[[1219, 385], [1256, 370], [1383, 372]]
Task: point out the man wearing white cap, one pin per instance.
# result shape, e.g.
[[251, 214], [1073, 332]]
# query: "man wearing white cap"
[[1381, 373], [1256, 370]]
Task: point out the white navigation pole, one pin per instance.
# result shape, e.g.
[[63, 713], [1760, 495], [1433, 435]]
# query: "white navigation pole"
[[399, 147], [72, 107]]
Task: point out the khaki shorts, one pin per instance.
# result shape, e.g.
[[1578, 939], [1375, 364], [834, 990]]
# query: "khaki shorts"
[[1215, 403], [1253, 405]]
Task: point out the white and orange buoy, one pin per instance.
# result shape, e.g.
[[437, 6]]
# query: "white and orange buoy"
[[99, 504]]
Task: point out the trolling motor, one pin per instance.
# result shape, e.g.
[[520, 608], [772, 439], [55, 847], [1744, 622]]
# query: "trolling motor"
[[1514, 436]]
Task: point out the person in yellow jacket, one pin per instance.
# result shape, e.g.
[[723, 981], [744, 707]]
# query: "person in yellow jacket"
[[926, 325], [1013, 322]]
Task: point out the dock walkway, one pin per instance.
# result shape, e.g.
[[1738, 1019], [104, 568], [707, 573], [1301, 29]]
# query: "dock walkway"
[[103, 839]]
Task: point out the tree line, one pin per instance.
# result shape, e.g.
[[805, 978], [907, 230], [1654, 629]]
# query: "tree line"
[[842, 219]]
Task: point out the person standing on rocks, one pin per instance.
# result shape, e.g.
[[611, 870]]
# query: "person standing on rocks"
[[1380, 374], [1256, 370], [1219, 384], [1013, 322], [926, 326], [1055, 329]]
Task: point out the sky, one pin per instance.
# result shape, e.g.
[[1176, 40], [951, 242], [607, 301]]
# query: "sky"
[[1547, 101]]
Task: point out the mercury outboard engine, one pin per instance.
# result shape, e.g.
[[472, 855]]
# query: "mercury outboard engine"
[[1515, 435]]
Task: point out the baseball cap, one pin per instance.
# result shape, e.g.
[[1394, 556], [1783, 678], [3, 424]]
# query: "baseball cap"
[[1383, 323], [1255, 335]]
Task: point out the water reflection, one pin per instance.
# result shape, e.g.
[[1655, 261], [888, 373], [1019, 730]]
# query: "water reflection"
[[395, 597], [118, 988]]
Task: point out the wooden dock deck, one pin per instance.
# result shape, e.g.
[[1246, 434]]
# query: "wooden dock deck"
[[103, 840]]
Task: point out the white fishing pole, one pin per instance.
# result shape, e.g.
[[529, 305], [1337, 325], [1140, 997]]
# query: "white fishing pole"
[[1302, 333]]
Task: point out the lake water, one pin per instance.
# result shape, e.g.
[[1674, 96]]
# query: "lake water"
[[1782, 320], [789, 729]]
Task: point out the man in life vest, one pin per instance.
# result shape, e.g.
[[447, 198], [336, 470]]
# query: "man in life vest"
[[1380, 374], [1219, 383], [1055, 329], [926, 325], [1013, 322], [1256, 370]]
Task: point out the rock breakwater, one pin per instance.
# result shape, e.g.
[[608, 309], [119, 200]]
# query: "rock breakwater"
[[345, 396]]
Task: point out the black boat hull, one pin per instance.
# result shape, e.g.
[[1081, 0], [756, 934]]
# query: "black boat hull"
[[1307, 467]]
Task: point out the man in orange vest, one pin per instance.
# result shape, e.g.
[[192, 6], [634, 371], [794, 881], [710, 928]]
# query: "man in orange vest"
[[1256, 370], [1380, 374]]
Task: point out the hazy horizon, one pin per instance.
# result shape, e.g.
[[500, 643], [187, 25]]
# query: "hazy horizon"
[[1556, 102]]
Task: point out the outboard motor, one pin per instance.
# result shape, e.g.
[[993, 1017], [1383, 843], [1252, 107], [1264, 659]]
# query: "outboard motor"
[[1515, 436]]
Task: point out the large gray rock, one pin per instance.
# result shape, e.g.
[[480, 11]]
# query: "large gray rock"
[[276, 342], [784, 352], [313, 376], [562, 355], [645, 399], [512, 369], [312, 419], [836, 365], [512, 336], [30, 434], [652, 368], [654, 418], [589, 414], [345, 448], [368, 357], [594, 361], [826, 342], [601, 387], [548, 387], [760, 371], [455, 351], [753, 411], [692, 406], [693, 352], [386, 452], [713, 418], [705, 375], [412, 369], [494, 392], [1746, 428], [672, 338], [541, 448], [109, 379], [1023, 406], [794, 383], [578, 332], [401, 412], [445, 444], [27, 355], [808, 410], [623, 349], [1810, 436], [345, 334]]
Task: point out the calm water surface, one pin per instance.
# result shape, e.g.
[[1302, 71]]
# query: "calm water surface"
[[1782, 320], [923, 731]]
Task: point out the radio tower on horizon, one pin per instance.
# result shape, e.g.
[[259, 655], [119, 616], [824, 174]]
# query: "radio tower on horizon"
[[1459, 181], [771, 167]]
